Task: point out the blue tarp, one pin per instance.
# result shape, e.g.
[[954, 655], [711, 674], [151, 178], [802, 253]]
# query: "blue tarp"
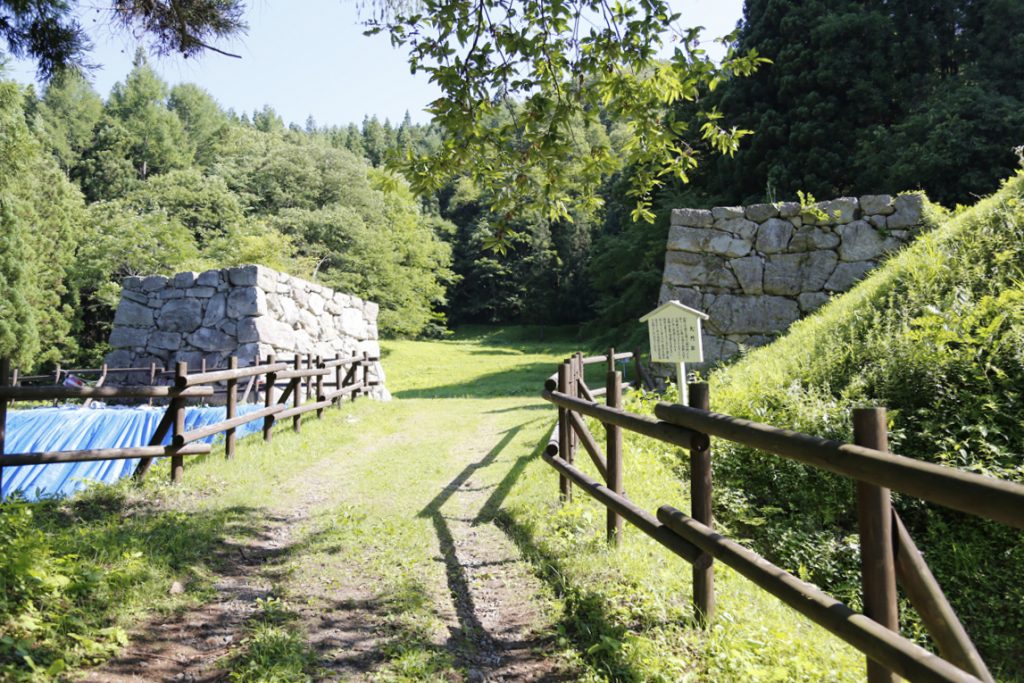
[[73, 428]]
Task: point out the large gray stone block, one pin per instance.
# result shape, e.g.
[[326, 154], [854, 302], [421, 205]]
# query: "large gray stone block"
[[353, 324], [696, 270], [692, 218], [184, 280], [316, 303], [137, 297], [731, 314], [839, 211], [276, 333], [684, 295], [876, 204], [812, 301], [789, 209], [726, 212], [749, 273], [165, 341], [773, 236], [216, 310], [129, 337], [860, 242], [209, 278], [210, 339], [245, 301], [740, 227], [847, 275], [759, 213], [153, 282], [908, 211], [247, 331], [180, 315], [811, 238], [133, 314], [791, 274], [243, 276], [704, 240]]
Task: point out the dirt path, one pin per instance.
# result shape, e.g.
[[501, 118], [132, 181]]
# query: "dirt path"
[[496, 621], [187, 646], [500, 622]]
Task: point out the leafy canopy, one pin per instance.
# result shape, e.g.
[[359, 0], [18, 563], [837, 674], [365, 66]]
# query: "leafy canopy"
[[518, 77], [47, 31]]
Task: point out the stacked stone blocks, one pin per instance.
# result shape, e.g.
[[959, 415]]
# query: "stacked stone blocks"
[[757, 269], [248, 311]]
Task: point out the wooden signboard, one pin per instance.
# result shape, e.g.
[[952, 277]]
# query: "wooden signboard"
[[675, 335]]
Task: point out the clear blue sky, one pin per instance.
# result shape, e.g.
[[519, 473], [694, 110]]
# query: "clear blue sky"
[[310, 58]]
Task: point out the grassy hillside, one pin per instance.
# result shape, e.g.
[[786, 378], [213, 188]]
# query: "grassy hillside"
[[937, 336]]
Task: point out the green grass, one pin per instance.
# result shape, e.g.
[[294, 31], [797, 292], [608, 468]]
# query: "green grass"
[[628, 612], [374, 482]]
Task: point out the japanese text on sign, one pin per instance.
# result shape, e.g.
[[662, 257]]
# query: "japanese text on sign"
[[676, 339]]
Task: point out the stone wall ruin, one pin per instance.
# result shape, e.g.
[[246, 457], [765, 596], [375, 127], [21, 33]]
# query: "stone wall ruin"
[[249, 311], [757, 269]]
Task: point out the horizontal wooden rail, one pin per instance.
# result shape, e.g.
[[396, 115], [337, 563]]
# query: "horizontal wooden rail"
[[665, 431], [304, 408], [210, 430], [17, 459], [44, 393], [636, 516], [335, 362], [882, 645], [602, 391], [592, 360], [308, 372], [988, 497], [97, 371], [224, 375], [344, 391]]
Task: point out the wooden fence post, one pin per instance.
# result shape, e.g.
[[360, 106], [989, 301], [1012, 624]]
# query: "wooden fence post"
[[152, 377], [577, 375], [5, 369], [178, 461], [297, 395], [700, 510], [231, 410], [564, 429], [338, 379], [319, 387], [874, 520], [268, 401], [613, 449]]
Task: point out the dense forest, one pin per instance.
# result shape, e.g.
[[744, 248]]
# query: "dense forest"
[[158, 179]]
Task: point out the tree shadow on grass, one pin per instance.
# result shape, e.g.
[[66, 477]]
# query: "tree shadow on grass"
[[472, 636], [587, 618]]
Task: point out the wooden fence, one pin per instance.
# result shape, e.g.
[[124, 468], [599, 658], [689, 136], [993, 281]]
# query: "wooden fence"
[[306, 384], [888, 553]]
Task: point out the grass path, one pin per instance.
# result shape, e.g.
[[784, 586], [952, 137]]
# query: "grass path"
[[419, 540], [374, 554]]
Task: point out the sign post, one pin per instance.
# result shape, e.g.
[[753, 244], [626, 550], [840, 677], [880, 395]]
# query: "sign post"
[[675, 335]]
